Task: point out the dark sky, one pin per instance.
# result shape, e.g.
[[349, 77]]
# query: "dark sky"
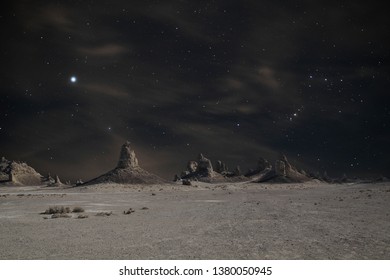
[[232, 79]]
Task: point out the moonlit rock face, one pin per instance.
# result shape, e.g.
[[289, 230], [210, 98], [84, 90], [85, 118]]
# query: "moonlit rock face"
[[127, 158], [73, 79]]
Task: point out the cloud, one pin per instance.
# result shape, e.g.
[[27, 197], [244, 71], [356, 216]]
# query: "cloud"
[[104, 89], [48, 16], [179, 18], [266, 76], [58, 17], [104, 50]]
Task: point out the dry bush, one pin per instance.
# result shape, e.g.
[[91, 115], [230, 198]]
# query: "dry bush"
[[82, 216], [104, 214], [186, 182], [57, 210], [131, 210], [60, 215], [78, 209]]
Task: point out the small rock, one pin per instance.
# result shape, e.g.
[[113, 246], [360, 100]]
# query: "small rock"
[[131, 210], [187, 182]]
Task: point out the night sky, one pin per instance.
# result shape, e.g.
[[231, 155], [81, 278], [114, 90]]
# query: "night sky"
[[234, 80]]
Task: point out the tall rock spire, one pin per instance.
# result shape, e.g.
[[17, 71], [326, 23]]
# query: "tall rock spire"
[[127, 171], [127, 158]]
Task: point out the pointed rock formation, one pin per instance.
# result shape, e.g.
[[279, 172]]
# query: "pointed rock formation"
[[280, 168], [79, 182], [127, 171], [202, 170], [263, 166], [283, 172], [127, 158], [47, 180], [18, 173], [192, 166], [57, 180], [50, 182], [220, 167], [237, 171], [205, 168]]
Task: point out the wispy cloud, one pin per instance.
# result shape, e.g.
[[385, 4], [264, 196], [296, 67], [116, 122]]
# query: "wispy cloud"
[[266, 76], [104, 50]]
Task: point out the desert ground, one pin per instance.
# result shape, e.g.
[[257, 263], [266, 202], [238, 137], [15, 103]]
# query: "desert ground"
[[202, 221]]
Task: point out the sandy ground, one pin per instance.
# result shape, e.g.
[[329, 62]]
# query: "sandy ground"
[[209, 221]]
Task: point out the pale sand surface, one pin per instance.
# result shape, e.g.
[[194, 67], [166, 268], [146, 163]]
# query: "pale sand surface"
[[210, 221]]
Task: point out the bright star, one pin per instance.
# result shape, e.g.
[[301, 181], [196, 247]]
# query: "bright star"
[[73, 79]]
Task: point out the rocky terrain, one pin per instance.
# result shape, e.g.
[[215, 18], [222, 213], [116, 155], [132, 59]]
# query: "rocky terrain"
[[203, 221], [282, 172], [128, 171], [271, 212]]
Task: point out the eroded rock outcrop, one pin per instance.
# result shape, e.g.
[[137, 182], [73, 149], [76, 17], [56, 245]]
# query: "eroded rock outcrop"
[[18, 173], [263, 166], [283, 172], [127, 171], [237, 171], [205, 168], [192, 166], [202, 170], [127, 158], [220, 167]]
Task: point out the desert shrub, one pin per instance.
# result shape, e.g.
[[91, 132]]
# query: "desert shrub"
[[78, 209], [131, 210], [103, 214], [82, 216], [57, 210], [60, 215], [187, 182]]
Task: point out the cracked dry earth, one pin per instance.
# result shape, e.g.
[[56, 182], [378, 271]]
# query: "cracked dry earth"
[[206, 221]]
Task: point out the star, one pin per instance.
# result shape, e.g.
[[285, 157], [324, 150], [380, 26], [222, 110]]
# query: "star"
[[73, 79]]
